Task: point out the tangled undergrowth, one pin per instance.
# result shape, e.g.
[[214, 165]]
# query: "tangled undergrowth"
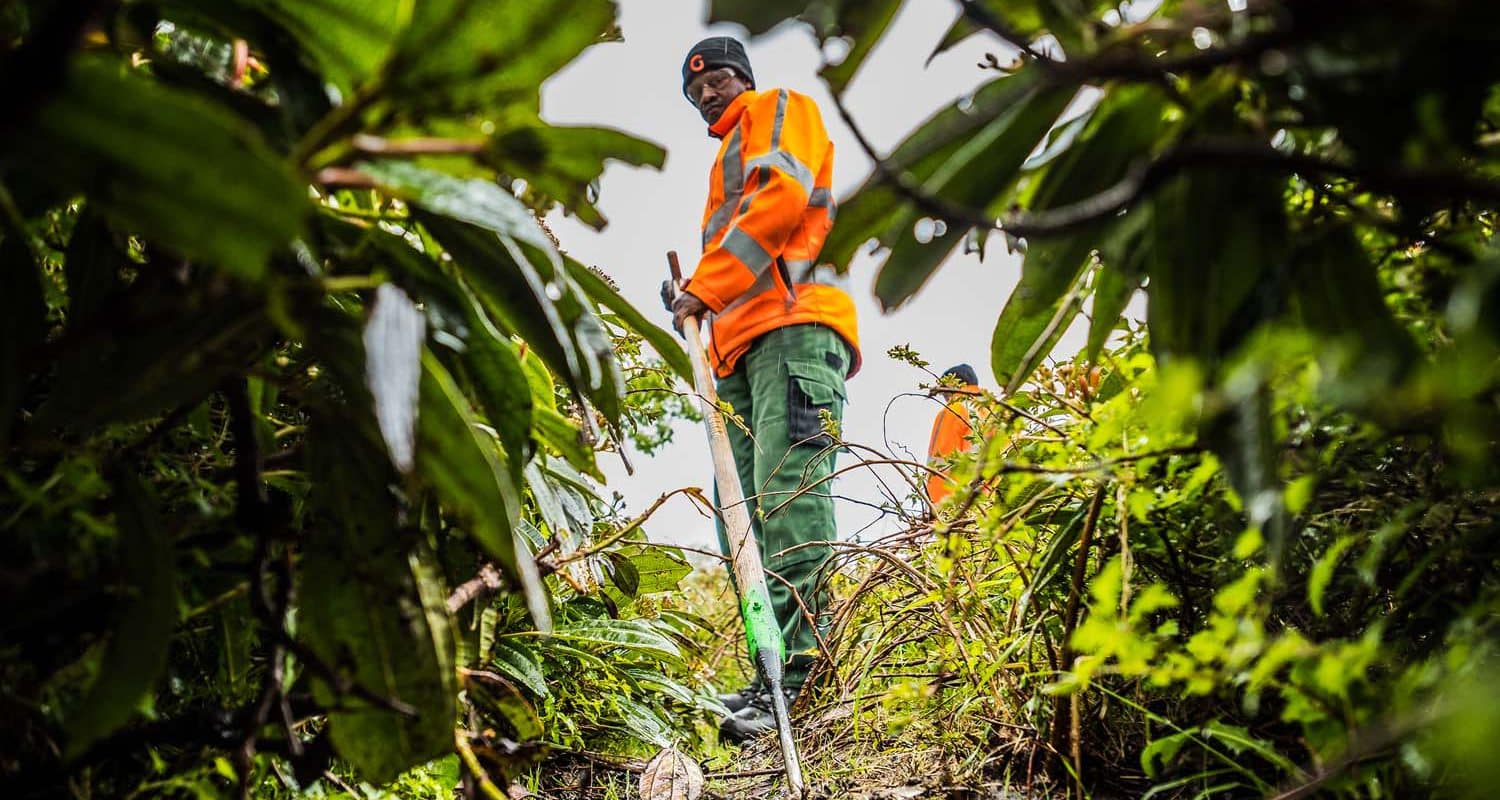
[[1090, 614]]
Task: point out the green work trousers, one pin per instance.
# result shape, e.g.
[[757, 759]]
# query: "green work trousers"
[[785, 388]]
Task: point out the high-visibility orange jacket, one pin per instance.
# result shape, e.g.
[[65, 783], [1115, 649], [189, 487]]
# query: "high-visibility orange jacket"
[[950, 435], [770, 206]]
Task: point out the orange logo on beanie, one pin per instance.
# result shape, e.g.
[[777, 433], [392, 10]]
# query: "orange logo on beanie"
[[696, 62]]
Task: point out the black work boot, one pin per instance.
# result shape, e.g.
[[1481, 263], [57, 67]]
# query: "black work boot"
[[755, 719]]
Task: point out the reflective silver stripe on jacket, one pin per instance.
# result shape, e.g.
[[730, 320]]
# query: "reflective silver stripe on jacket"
[[734, 188], [803, 273], [822, 197], [788, 163], [743, 246], [808, 272], [780, 118]]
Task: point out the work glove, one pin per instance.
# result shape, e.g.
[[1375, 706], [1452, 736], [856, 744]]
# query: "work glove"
[[687, 305]]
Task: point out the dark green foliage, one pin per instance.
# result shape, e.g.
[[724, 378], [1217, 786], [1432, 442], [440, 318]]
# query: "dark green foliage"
[[137, 650], [289, 405]]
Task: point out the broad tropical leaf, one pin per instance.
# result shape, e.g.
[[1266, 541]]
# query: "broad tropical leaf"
[[478, 55], [159, 162], [870, 212], [561, 162], [1024, 337], [372, 609], [981, 170], [517, 272], [137, 650]]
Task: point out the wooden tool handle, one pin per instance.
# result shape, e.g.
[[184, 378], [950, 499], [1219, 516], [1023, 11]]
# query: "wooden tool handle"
[[676, 268], [767, 648]]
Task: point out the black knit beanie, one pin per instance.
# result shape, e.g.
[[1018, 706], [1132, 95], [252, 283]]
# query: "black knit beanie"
[[712, 53]]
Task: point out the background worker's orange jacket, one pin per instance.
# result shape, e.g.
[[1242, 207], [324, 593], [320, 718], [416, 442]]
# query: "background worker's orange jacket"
[[770, 206], [950, 435]]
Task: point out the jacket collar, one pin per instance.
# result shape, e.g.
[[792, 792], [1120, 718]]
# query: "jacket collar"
[[732, 114]]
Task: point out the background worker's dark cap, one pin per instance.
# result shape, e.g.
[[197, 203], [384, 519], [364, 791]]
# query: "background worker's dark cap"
[[964, 373], [712, 53]]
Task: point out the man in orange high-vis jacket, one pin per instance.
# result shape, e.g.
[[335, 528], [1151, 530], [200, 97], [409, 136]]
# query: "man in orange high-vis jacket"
[[783, 334], [952, 428]]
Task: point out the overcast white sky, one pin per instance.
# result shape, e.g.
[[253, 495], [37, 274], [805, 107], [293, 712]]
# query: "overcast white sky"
[[635, 86]]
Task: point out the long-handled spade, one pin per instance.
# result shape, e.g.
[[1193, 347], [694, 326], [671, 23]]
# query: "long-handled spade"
[[767, 650]]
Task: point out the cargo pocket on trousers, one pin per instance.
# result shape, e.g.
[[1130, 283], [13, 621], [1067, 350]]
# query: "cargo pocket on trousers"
[[812, 388]]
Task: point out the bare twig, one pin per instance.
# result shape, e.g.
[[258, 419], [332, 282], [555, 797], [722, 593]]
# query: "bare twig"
[[487, 581]]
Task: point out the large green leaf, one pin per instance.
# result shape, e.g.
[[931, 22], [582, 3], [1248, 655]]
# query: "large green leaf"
[[92, 266], [864, 22], [561, 162], [1112, 291], [1204, 277], [468, 471], [658, 570], [870, 211], [517, 659], [166, 165], [493, 367], [1123, 251], [137, 650], [372, 607], [600, 291], [757, 15], [1336, 292], [394, 334], [562, 435], [628, 634], [643, 723], [1023, 336], [1121, 132], [549, 506], [981, 170]]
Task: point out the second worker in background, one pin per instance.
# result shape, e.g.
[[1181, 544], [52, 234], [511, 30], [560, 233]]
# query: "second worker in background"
[[783, 334]]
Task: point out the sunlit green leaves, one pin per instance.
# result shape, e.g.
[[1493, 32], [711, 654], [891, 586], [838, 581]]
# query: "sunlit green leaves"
[[350, 39], [470, 55], [516, 272]]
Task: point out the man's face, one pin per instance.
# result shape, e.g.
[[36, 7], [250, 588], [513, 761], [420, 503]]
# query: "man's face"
[[713, 90]]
